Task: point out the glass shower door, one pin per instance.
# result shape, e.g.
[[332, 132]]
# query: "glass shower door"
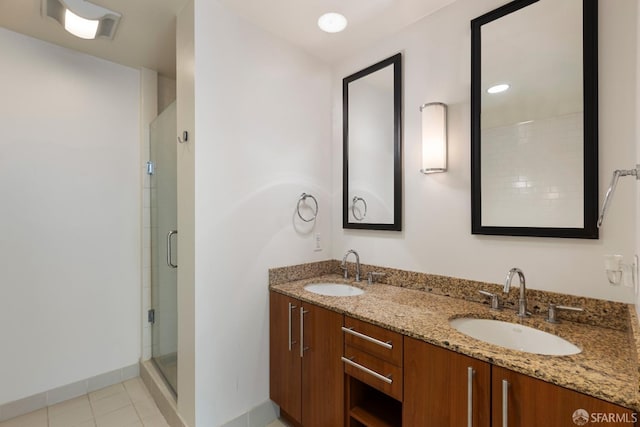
[[164, 260]]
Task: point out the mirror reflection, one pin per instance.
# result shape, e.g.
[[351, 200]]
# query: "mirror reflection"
[[371, 120], [530, 160]]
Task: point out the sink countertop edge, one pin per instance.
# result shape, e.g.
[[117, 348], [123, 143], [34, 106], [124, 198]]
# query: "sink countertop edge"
[[425, 316]]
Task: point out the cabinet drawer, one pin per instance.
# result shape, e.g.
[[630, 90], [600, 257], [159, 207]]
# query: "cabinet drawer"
[[377, 341], [364, 367]]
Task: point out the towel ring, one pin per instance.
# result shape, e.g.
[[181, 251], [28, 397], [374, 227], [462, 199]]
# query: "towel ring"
[[357, 199], [303, 198]]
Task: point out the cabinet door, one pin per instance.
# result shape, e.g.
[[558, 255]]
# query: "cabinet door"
[[284, 354], [322, 374], [443, 388], [532, 403]]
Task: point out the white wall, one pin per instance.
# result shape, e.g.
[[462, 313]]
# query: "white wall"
[[166, 92], [185, 105], [436, 236], [262, 111], [70, 216], [637, 138]]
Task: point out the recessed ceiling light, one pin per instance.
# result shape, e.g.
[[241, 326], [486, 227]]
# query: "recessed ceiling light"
[[332, 22], [498, 88]]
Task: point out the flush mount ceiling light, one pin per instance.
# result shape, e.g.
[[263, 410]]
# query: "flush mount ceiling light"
[[498, 88], [81, 18], [332, 22]]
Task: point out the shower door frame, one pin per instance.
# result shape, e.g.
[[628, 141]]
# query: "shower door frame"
[[163, 228]]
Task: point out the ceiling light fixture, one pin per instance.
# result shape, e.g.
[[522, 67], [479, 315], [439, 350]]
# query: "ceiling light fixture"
[[498, 88], [80, 27], [82, 18], [332, 22]]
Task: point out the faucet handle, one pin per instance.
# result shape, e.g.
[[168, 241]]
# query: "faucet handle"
[[553, 311], [372, 276], [495, 300]]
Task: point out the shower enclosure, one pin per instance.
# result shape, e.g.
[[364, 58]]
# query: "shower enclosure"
[[164, 260]]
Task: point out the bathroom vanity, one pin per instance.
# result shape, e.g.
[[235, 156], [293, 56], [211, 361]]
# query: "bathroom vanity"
[[389, 357], [306, 378]]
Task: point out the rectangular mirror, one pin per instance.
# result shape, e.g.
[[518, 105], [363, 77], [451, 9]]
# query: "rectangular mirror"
[[372, 147], [534, 125]]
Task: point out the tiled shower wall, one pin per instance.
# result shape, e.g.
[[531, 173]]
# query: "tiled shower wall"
[[532, 164]]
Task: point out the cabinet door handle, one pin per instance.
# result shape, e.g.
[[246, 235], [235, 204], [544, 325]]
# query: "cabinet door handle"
[[387, 345], [367, 370], [291, 308], [302, 347], [505, 403], [470, 373]]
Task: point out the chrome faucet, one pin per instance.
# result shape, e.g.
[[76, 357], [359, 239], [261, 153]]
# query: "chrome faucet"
[[344, 264], [522, 302]]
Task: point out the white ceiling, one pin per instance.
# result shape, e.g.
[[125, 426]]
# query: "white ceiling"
[[369, 20], [146, 35]]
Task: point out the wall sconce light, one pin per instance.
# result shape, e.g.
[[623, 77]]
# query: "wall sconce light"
[[434, 137], [82, 19]]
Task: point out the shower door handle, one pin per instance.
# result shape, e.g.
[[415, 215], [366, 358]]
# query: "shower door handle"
[[169, 257]]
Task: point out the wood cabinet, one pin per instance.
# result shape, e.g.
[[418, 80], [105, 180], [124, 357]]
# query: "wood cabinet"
[[306, 378], [532, 403], [285, 363], [373, 364], [437, 384], [443, 388], [322, 377], [394, 380]]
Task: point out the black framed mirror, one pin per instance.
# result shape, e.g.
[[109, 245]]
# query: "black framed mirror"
[[372, 147], [534, 145]]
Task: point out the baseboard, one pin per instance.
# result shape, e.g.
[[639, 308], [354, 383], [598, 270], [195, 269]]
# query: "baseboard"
[[260, 416], [60, 394]]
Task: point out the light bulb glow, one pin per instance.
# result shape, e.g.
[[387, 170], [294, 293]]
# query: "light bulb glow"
[[79, 26], [434, 137], [498, 88], [332, 22]]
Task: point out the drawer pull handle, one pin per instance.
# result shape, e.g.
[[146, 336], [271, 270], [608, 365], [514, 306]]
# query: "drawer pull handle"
[[387, 345], [367, 370]]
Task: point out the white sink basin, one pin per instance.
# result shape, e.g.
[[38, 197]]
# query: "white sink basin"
[[514, 336], [334, 289]]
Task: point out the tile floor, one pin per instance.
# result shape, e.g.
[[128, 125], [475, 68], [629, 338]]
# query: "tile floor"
[[278, 423], [127, 404]]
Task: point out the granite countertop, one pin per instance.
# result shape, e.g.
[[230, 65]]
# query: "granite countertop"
[[607, 367]]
